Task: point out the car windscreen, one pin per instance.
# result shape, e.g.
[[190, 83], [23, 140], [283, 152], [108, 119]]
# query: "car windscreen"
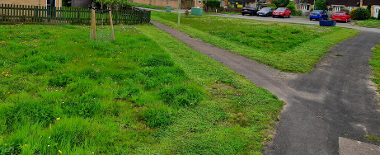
[[280, 9], [265, 9], [339, 13], [316, 11], [250, 7]]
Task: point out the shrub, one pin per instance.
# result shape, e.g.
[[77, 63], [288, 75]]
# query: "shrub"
[[369, 6], [353, 13], [362, 14], [272, 6], [291, 7], [378, 15], [320, 5], [280, 3], [345, 10], [212, 3]]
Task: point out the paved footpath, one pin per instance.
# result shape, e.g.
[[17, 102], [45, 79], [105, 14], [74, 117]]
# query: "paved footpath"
[[328, 110]]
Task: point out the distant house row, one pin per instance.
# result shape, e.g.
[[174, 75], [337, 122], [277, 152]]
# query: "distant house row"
[[336, 5], [306, 6]]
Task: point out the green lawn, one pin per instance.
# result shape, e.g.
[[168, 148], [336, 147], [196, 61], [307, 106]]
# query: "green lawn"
[[145, 93], [285, 46], [146, 6], [368, 23]]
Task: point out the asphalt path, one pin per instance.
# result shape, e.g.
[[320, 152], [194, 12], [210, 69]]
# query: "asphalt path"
[[337, 101]]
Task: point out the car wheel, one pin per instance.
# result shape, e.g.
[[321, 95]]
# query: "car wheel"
[[273, 16], [242, 14], [346, 20], [290, 15]]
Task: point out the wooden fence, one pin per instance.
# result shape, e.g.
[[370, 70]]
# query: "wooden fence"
[[10, 13]]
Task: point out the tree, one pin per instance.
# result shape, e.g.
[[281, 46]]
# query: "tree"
[[291, 7], [320, 5], [298, 3], [280, 3]]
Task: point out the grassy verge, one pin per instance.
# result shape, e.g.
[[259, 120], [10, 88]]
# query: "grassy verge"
[[285, 46], [147, 6], [375, 63], [368, 23], [145, 93]]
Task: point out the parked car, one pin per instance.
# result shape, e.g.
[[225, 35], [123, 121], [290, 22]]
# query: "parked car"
[[267, 11], [318, 15], [252, 10], [282, 12], [341, 16]]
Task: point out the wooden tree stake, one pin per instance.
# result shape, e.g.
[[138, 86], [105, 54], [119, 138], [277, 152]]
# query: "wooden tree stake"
[[93, 22], [110, 12]]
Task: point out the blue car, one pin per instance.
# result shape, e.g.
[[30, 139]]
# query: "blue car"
[[318, 15]]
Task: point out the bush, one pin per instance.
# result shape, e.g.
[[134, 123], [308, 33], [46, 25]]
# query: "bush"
[[212, 3], [362, 14], [369, 6], [320, 5], [345, 10], [353, 13], [280, 3], [378, 16], [272, 6], [291, 7]]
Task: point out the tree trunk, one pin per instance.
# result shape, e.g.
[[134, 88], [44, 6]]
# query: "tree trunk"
[[113, 35]]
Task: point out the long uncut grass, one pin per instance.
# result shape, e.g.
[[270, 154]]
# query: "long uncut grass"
[[145, 93]]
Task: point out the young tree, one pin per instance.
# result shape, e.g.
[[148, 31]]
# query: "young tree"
[[320, 5], [280, 3]]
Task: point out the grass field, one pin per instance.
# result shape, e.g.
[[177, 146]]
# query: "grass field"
[[145, 93], [285, 46], [368, 23]]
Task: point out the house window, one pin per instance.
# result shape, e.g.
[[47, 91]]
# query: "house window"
[[199, 1], [337, 9]]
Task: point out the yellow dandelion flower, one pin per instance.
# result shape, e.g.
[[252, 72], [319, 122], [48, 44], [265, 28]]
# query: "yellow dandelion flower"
[[265, 138], [5, 144], [59, 151], [278, 117], [26, 144], [58, 118]]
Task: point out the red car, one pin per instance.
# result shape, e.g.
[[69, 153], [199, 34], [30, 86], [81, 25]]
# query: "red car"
[[282, 12], [341, 16]]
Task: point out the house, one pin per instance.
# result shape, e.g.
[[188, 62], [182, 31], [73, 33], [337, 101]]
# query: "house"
[[336, 5], [242, 3], [53, 3]]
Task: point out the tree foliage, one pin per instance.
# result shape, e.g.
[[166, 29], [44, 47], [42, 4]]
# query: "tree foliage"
[[280, 3], [320, 5], [298, 3], [291, 7]]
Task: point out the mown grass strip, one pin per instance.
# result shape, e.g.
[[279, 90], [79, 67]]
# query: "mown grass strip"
[[284, 46], [250, 111]]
